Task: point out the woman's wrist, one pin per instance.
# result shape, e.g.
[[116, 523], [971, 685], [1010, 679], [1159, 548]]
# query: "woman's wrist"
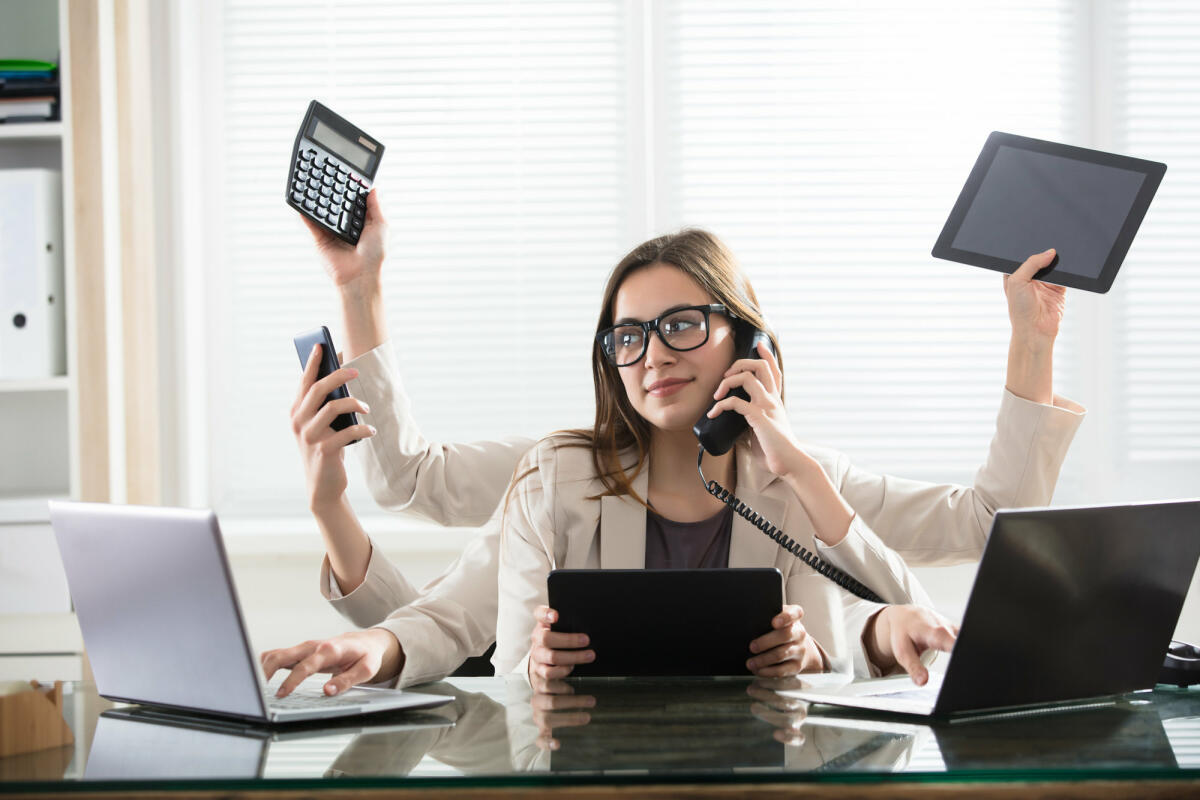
[[1031, 368], [827, 510], [363, 316], [327, 509], [392, 658], [362, 287], [876, 640]]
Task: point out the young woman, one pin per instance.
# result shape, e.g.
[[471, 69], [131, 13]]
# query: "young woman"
[[461, 484], [626, 493]]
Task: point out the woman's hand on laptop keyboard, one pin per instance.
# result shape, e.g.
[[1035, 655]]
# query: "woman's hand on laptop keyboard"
[[898, 635], [356, 657]]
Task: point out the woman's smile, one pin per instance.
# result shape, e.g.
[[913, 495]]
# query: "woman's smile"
[[667, 386]]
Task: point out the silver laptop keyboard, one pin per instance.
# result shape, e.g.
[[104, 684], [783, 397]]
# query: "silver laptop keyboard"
[[305, 700], [929, 693]]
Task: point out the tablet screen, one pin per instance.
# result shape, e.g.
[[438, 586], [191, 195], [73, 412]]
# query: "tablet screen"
[[1025, 195], [1030, 201]]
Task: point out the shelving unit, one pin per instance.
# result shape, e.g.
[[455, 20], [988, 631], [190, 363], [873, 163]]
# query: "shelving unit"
[[39, 426], [31, 131]]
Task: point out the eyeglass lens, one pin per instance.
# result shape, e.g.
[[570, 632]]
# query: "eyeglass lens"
[[681, 330]]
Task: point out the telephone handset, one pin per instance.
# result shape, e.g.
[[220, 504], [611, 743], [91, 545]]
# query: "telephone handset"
[[718, 435]]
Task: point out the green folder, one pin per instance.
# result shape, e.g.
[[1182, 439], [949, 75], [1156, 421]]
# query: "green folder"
[[25, 65]]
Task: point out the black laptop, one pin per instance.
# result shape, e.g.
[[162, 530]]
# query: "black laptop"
[[1069, 604]]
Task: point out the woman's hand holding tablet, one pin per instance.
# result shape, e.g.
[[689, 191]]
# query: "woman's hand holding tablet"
[[1025, 195]]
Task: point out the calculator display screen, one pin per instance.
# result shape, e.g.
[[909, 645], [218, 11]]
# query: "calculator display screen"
[[340, 146]]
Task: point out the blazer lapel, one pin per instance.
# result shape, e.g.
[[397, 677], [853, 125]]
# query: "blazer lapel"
[[748, 545], [623, 528]]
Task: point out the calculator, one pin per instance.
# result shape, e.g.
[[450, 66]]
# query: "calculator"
[[333, 165]]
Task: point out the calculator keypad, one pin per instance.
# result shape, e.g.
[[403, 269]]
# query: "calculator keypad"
[[330, 193]]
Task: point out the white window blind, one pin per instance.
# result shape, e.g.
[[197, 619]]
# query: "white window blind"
[[826, 144], [530, 144], [1156, 106], [504, 183]]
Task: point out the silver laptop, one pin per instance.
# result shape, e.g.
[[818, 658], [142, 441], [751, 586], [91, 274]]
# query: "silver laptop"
[[1069, 605], [160, 618]]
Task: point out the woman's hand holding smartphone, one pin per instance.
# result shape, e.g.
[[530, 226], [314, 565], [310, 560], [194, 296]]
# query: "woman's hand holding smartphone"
[[322, 448]]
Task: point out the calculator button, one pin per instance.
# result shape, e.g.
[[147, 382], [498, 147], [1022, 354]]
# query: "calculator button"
[[312, 194], [313, 183], [297, 197], [327, 181], [299, 186], [308, 154], [340, 184], [326, 191], [320, 212], [310, 205], [323, 202]]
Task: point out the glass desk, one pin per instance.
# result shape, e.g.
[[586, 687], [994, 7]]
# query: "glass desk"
[[652, 737]]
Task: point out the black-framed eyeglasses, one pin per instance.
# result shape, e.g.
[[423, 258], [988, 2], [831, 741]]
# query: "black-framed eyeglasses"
[[680, 329]]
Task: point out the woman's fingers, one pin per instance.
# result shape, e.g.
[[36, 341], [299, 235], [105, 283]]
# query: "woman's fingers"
[[359, 672], [748, 381], [311, 367], [374, 210], [731, 403], [319, 390], [549, 672], [908, 658], [319, 426], [557, 640], [320, 233], [759, 369], [791, 630], [773, 365], [793, 649], [283, 658], [323, 657], [1030, 267], [545, 655], [345, 436]]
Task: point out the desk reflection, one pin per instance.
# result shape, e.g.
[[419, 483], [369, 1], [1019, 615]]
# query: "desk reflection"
[[497, 727], [603, 725]]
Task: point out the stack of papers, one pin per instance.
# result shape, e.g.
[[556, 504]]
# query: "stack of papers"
[[29, 91]]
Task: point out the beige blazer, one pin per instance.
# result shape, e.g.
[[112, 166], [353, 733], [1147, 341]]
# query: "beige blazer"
[[551, 523], [462, 484]]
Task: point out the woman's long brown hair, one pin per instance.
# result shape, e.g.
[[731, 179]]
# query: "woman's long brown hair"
[[619, 430]]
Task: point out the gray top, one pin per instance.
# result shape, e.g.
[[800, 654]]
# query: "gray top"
[[688, 545]]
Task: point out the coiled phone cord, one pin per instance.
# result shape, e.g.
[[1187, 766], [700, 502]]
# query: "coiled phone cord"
[[847, 582]]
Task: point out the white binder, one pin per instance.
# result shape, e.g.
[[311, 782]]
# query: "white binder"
[[32, 317]]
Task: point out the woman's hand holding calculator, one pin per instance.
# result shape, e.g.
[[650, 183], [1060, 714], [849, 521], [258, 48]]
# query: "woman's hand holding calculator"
[[350, 266]]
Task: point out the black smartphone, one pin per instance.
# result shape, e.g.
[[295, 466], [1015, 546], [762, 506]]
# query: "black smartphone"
[[717, 435], [329, 364]]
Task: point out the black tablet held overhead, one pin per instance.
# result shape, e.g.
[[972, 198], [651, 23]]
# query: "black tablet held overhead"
[[1025, 196], [666, 621]]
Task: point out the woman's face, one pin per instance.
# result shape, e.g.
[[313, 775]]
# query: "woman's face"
[[668, 388]]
